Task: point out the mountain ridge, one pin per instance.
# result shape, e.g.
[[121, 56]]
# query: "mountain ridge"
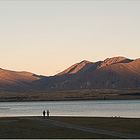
[[116, 72], [112, 73]]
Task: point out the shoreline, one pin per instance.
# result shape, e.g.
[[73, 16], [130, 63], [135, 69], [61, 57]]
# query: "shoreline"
[[110, 99], [86, 117]]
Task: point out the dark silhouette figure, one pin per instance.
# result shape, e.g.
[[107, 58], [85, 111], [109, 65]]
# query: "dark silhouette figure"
[[48, 113], [44, 113]]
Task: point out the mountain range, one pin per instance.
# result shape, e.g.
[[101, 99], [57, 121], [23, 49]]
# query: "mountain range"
[[112, 73]]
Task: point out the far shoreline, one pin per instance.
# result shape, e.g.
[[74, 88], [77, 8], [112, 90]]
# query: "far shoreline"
[[70, 100], [71, 95]]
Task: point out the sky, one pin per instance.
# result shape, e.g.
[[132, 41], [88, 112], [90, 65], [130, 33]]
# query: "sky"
[[47, 36]]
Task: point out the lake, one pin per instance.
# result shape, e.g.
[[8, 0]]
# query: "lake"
[[100, 108]]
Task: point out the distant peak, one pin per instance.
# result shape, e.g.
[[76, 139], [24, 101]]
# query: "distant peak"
[[84, 62], [114, 60], [138, 59]]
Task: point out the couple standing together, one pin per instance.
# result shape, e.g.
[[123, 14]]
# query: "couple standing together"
[[44, 113]]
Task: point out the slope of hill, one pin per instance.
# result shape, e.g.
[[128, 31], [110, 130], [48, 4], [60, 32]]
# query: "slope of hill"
[[76, 68], [13, 80]]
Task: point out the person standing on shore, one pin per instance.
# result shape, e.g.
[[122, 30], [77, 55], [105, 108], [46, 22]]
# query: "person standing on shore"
[[44, 113], [48, 113]]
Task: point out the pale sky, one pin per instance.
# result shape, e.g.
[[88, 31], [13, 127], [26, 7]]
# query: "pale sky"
[[47, 36]]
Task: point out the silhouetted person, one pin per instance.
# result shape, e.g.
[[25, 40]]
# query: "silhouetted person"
[[44, 113], [48, 113]]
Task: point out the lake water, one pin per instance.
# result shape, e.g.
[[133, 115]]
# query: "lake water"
[[122, 108]]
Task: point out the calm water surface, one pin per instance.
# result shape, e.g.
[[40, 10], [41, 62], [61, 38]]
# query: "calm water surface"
[[123, 108]]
